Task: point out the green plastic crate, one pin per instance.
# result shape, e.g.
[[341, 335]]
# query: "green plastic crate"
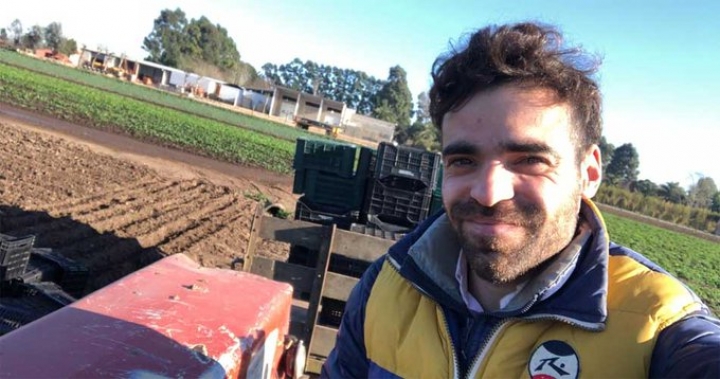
[[324, 156]]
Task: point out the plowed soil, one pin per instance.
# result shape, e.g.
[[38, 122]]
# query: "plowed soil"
[[116, 205]]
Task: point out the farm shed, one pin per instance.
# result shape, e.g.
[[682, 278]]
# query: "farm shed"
[[290, 103], [159, 74]]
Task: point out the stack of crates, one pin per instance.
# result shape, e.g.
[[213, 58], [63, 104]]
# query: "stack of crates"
[[332, 178], [382, 194], [400, 191]]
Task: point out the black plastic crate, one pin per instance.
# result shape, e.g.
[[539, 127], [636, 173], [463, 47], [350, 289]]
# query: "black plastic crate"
[[23, 303], [386, 225], [347, 266], [48, 271], [32, 276], [331, 312], [307, 210], [11, 319], [301, 255], [372, 230], [340, 264], [404, 209], [14, 255], [53, 293], [325, 156], [67, 273], [405, 167]]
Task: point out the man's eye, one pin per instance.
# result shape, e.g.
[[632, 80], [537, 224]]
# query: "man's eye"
[[531, 160], [458, 162]]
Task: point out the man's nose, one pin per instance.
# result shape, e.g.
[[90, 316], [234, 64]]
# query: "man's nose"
[[493, 184]]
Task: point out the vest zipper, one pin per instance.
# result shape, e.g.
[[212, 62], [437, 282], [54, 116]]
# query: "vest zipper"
[[453, 351], [475, 366]]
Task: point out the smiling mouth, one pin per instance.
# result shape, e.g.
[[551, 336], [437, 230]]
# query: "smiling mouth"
[[491, 222]]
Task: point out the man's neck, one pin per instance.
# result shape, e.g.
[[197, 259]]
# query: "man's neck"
[[491, 295]]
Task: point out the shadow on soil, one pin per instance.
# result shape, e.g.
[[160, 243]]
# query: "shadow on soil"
[[106, 256]]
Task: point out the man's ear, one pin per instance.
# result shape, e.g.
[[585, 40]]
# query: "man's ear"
[[591, 171]]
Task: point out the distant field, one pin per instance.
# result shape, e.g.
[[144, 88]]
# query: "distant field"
[[105, 110], [154, 96], [695, 261]]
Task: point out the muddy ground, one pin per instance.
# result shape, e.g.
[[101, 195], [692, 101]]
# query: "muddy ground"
[[115, 204]]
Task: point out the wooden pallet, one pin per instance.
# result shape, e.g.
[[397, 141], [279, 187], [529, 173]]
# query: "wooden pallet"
[[317, 281]]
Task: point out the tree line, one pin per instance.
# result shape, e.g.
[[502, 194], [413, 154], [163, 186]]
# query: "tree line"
[[697, 207], [621, 169], [37, 37]]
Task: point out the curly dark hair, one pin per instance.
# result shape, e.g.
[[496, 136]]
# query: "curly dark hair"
[[528, 55]]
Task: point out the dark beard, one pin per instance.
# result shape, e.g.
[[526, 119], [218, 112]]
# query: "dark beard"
[[501, 260]]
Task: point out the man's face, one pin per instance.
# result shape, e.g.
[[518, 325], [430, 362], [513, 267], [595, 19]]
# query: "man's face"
[[512, 185]]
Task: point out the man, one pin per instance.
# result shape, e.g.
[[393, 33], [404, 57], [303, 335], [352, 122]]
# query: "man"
[[518, 278]]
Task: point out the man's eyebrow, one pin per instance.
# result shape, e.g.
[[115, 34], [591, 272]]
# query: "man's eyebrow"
[[460, 148], [529, 147], [466, 148]]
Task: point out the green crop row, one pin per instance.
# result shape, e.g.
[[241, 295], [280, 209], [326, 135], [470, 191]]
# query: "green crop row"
[[693, 260], [155, 96], [100, 109]]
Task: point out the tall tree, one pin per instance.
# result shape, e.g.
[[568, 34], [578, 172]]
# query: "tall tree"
[[645, 187], [312, 77], [4, 36], [197, 46], [422, 111], [33, 39], [16, 31], [210, 43], [422, 133], [672, 192], [394, 103], [165, 41], [68, 46], [701, 194], [244, 73], [716, 202], [54, 35], [606, 150], [623, 168]]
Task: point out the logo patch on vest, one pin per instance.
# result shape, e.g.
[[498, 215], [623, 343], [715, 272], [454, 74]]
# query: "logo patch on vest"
[[554, 360]]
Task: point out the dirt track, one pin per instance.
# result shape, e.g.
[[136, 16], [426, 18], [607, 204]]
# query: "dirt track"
[[103, 201]]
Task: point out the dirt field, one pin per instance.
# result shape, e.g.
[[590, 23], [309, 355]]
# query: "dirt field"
[[115, 204]]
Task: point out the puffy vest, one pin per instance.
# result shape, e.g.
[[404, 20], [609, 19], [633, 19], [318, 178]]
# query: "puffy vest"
[[406, 332]]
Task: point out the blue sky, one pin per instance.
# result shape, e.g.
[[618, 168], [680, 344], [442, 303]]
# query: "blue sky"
[[660, 77]]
